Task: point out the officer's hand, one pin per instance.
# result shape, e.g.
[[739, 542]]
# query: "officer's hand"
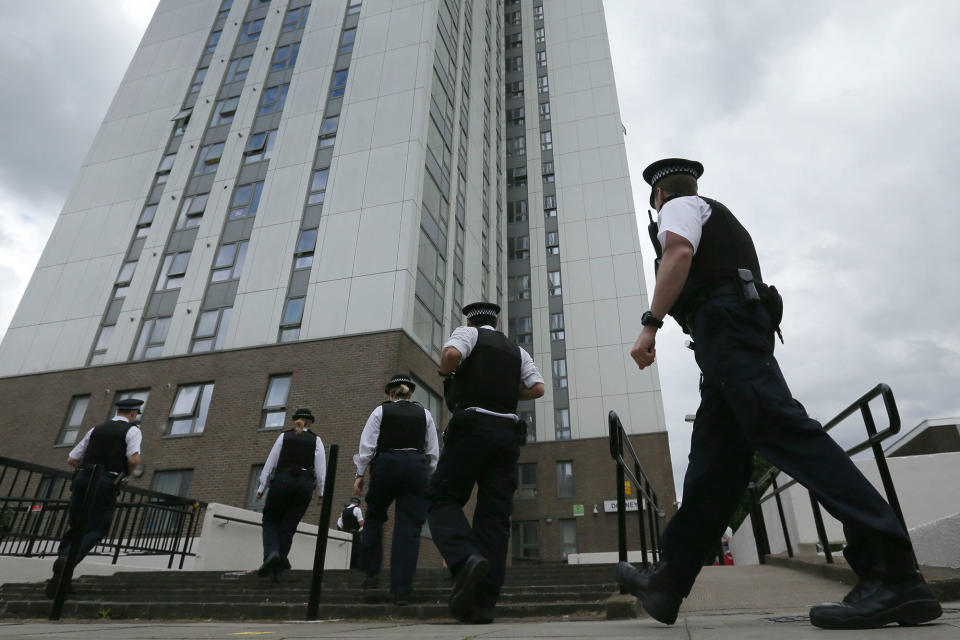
[[358, 486], [259, 494], [320, 500], [644, 349]]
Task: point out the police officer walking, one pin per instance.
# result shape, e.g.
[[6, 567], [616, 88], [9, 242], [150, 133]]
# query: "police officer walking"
[[115, 445], [481, 446], [399, 445], [709, 279], [297, 464], [351, 521]]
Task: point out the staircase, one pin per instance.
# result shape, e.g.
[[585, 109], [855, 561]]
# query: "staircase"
[[530, 591]]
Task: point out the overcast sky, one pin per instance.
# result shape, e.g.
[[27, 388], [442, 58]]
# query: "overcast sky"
[[829, 129]]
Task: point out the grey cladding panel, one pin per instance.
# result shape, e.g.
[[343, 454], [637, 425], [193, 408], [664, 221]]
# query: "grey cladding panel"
[[113, 312], [191, 100], [290, 36], [253, 172], [205, 60], [200, 184], [267, 122], [561, 398], [555, 304], [155, 193], [257, 13], [298, 283], [333, 107], [136, 248], [351, 21], [279, 77], [324, 156], [174, 145], [230, 90], [216, 134], [220, 294], [311, 216], [245, 49], [167, 302]]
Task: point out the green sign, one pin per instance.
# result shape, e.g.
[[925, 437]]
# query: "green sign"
[[578, 509]]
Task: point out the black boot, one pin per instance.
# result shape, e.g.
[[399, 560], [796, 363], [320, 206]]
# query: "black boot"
[[465, 580], [269, 563], [874, 603], [658, 598], [51, 587]]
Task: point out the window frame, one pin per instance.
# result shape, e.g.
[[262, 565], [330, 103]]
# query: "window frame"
[[269, 411], [561, 424], [68, 426], [197, 416]]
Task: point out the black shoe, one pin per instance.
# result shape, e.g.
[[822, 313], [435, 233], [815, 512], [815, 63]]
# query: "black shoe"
[[466, 578], [286, 564], [482, 615], [51, 588], [370, 582], [874, 603], [271, 561], [401, 599], [661, 602]]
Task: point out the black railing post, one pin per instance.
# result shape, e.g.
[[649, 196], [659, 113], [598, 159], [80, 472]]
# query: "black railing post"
[[621, 514], [320, 554], [882, 467], [756, 520], [821, 530], [641, 503], [89, 499], [123, 529], [783, 518]]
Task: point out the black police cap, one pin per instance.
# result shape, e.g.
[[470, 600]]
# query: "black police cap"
[[399, 379], [475, 309], [128, 404], [660, 169], [303, 413]]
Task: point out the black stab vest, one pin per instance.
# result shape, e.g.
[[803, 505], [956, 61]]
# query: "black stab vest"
[[490, 377], [350, 522], [298, 450], [402, 426], [725, 246], [108, 446]]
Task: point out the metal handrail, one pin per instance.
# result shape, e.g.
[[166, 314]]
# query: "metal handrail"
[[872, 441], [646, 494]]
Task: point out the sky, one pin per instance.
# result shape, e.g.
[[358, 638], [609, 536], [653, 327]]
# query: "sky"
[[829, 129]]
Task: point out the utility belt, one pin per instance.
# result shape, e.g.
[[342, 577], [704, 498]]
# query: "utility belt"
[[519, 427], [297, 471], [405, 450], [750, 292], [115, 477]]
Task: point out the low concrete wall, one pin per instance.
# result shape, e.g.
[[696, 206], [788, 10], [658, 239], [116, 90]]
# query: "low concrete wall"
[[605, 557], [937, 543], [928, 488]]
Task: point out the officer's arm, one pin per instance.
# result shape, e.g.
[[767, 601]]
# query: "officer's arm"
[[449, 360], [532, 393], [674, 268], [132, 462]]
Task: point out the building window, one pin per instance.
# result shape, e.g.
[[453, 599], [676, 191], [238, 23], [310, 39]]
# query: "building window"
[[560, 373], [238, 69], [208, 159], [515, 89], [173, 270], [290, 321], [546, 141], [246, 200], [521, 329], [515, 64], [346, 41], [100, 348], [163, 171], [539, 36], [354, 7], [514, 41], [561, 420], [228, 263], [526, 540], [191, 211], [543, 85], [516, 211], [211, 330], [212, 42], [275, 402], [254, 503], [190, 408], [295, 19], [518, 248], [568, 537], [553, 247], [556, 326], [273, 99], [339, 84], [224, 9], [137, 394], [515, 116], [250, 32], [285, 57], [153, 334], [518, 287], [126, 273], [541, 58], [224, 111], [529, 417], [548, 175], [553, 283], [538, 12], [544, 109], [318, 186], [516, 146], [517, 177], [303, 254], [174, 483], [513, 17], [526, 481], [564, 476], [71, 424], [329, 125], [180, 122], [260, 146], [198, 79]]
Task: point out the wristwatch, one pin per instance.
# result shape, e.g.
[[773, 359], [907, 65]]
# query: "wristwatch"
[[648, 320]]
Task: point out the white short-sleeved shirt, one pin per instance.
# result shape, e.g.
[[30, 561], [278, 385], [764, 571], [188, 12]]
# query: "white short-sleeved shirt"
[[684, 216], [464, 339], [319, 464], [133, 440], [371, 434], [356, 514]]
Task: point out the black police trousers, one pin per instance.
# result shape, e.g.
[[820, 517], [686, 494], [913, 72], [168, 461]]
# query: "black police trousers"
[[99, 518], [480, 450], [401, 477], [287, 501], [745, 405]]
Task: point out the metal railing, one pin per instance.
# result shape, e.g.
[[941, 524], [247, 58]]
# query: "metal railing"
[[873, 441], [647, 503], [34, 506]]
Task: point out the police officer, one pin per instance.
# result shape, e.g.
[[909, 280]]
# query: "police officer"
[[399, 445], [351, 521], [297, 464], [480, 448], [115, 445], [709, 279]]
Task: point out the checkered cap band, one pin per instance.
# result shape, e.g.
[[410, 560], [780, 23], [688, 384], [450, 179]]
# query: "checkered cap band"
[[664, 172], [482, 311], [400, 380]]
